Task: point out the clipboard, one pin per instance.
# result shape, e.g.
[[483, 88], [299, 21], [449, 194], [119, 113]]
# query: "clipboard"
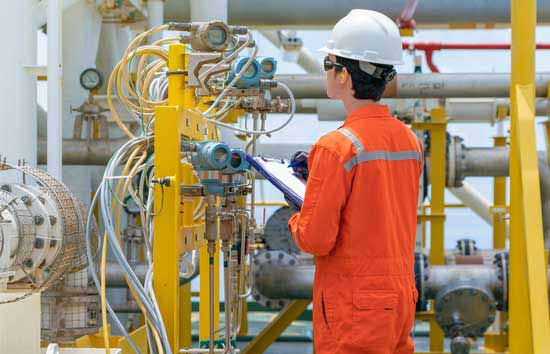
[[277, 172]]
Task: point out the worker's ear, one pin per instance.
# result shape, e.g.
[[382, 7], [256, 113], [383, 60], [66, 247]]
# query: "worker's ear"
[[343, 76]]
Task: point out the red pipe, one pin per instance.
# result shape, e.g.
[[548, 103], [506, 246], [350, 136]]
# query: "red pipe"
[[430, 47], [425, 46]]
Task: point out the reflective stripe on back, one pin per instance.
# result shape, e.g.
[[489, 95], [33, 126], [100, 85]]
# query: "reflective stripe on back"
[[364, 156]]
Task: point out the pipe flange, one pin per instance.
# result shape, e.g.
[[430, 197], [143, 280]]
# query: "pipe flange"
[[455, 156], [501, 261], [465, 309], [263, 261], [421, 275], [276, 235]]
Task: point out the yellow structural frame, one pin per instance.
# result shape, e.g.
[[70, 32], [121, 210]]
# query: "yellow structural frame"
[[176, 231], [438, 130], [276, 327], [529, 316]]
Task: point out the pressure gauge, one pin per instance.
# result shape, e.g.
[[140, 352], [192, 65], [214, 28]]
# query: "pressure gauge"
[[216, 36], [91, 79], [269, 66]]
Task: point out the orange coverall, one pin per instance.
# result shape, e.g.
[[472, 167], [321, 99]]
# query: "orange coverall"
[[359, 221]]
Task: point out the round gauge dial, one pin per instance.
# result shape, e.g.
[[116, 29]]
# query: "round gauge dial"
[[216, 35], [268, 66], [91, 79]]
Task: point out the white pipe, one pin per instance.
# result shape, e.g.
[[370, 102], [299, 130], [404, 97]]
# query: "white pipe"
[[474, 200], [306, 60], [19, 321], [55, 98], [155, 11], [17, 85], [42, 10], [202, 10]]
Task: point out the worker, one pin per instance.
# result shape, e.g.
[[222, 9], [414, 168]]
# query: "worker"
[[358, 217]]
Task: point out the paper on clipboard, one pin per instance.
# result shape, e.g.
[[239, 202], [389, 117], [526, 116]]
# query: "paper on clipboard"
[[278, 173]]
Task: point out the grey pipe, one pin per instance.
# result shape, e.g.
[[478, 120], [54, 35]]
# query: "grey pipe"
[[115, 275], [285, 282], [441, 276], [80, 152], [325, 13], [461, 110], [420, 85], [487, 162]]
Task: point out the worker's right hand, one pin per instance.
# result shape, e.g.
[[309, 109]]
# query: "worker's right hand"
[[298, 162]]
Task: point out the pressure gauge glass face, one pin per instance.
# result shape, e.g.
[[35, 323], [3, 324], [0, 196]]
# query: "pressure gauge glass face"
[[268, 67], [251, 72], [91, 79], [216, 35]]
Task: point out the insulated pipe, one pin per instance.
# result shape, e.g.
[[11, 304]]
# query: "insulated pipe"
[[306, 60], [474, 201], [325, 13], [55, 93], [420, 85]]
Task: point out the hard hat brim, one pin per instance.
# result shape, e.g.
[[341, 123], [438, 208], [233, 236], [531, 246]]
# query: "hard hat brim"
[[339, 53]]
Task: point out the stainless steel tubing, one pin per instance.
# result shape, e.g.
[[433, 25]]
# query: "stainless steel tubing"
[[81, 152], [420, 85], [325, 13]]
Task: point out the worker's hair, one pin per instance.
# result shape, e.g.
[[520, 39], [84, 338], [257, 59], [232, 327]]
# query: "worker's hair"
[[366, 87]]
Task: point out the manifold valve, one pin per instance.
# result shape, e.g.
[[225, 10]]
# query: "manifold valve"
[[42, 232]]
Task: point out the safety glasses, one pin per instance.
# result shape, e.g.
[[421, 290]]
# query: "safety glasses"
[[329, 64]]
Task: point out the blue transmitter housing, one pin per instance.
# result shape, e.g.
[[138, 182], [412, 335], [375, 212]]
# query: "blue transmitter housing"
[[263, 68]]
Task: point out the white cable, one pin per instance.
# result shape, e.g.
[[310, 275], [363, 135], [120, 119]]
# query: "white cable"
[[261, 132], [233, 82]]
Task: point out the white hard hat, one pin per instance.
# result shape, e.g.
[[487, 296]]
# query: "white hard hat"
[[366, 35]]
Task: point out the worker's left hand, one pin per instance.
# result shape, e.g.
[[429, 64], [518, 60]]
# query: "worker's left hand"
[[293, 206], [298, 162]]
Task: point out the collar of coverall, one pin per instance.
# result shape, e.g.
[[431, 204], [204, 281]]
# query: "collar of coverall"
[[368, 111]]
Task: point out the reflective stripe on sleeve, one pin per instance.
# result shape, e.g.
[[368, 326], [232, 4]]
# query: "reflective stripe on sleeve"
[[364, 156], [354, 140]]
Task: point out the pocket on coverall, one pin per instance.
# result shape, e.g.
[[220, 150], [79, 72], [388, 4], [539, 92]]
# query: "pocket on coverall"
[[374, 314]]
